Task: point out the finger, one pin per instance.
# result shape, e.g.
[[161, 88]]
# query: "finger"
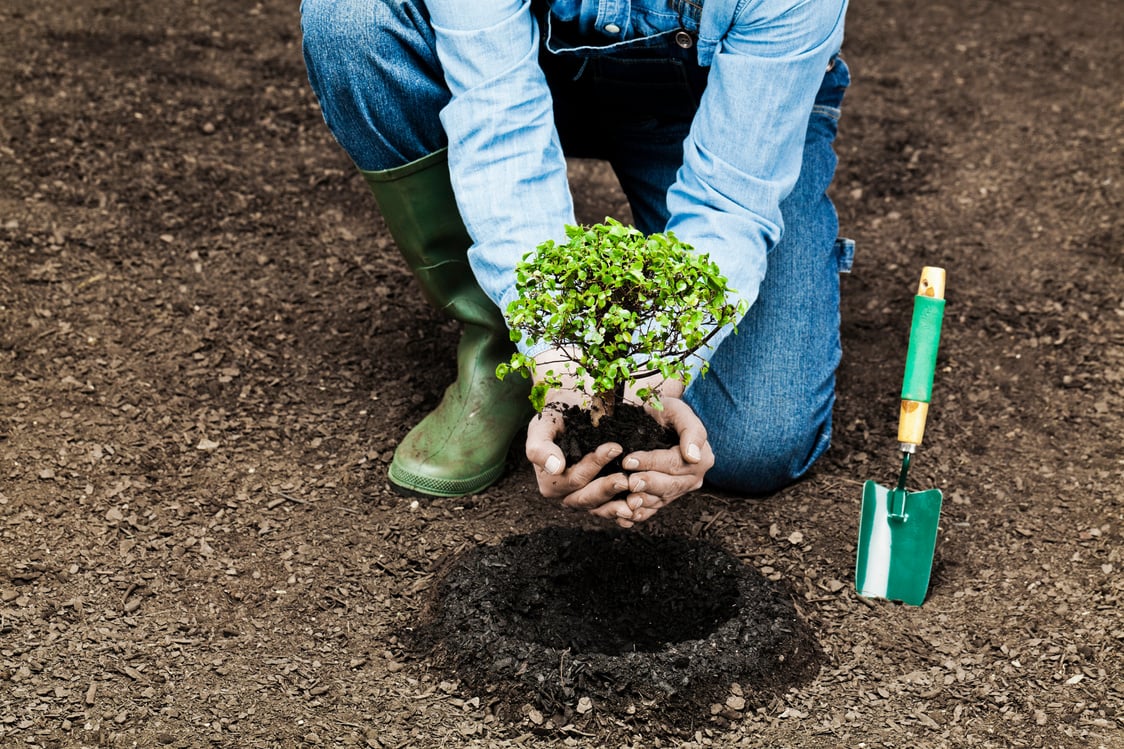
[[662, 461], [596, 494], [617, 509], [586, 469], [580, 485], [637, 500], [582, 494], [644, 513], [637, 515], [666, 486], [672, 462]]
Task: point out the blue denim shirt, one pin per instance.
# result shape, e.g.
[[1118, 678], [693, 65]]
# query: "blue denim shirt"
[[741, 157]]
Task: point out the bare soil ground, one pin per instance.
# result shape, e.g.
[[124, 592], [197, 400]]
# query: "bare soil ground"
[[208, 350]]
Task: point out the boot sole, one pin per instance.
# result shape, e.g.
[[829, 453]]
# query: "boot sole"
[[405, 481]]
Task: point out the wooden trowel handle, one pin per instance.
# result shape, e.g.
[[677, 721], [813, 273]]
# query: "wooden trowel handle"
[[921, 360]]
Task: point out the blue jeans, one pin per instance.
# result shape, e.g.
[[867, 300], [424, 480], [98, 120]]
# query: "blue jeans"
[[766, 400]]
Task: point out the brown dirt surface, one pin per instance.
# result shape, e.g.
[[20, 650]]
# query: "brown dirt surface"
[[208, 350]]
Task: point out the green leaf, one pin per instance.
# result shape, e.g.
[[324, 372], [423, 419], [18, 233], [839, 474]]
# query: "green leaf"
[[538, 396]]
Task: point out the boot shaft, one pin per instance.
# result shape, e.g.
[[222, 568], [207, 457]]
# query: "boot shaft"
[[420, 210]]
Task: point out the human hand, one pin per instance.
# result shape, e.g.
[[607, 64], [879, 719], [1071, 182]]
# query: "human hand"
[[658, 477], [577, 486]]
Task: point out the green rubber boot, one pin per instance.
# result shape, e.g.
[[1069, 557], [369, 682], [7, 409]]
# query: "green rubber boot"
[[461, 447]]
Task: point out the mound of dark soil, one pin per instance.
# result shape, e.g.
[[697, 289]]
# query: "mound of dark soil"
[[628, 621]]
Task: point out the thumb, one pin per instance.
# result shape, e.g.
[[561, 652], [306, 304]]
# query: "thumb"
[[541, 449], [692, 433], [554, 463]]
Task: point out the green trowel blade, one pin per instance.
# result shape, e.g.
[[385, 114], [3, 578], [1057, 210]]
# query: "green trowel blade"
[[896, 543]]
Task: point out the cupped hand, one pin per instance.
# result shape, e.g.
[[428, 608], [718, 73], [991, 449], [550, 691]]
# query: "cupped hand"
[[658, 477], [578, 486]]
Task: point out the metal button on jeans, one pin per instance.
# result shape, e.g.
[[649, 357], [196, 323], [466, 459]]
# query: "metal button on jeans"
[[683, 39], [612, 28]]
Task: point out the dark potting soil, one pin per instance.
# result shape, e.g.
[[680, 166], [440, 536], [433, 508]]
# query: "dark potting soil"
[[629, 425], [633, 621]]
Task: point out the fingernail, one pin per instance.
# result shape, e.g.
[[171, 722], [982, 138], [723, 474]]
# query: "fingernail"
[[614, 452], [635, 503], [693, 452], [553, 465], [640, 485], [620, 486], [631, 463]]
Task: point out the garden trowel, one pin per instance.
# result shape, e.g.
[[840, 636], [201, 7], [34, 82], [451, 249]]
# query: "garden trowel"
[[898, 529]]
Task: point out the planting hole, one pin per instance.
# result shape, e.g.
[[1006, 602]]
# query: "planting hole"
[[615, 593]]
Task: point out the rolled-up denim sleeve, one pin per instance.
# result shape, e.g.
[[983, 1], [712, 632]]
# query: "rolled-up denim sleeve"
[[743, 154], [505, 159]]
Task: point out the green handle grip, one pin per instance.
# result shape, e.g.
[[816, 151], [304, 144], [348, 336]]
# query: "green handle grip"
[[924, 337]]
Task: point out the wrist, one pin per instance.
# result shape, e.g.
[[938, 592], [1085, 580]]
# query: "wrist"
[[658, 384], [557, 366]]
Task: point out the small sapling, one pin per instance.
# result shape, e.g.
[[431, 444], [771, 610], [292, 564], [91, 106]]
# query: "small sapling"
[[619, 307]]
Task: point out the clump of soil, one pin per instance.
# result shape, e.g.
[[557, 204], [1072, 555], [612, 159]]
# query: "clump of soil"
[[625, 620], [628, 425]]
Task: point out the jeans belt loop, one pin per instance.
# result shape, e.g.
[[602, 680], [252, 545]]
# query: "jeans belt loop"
[[688, 9]]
